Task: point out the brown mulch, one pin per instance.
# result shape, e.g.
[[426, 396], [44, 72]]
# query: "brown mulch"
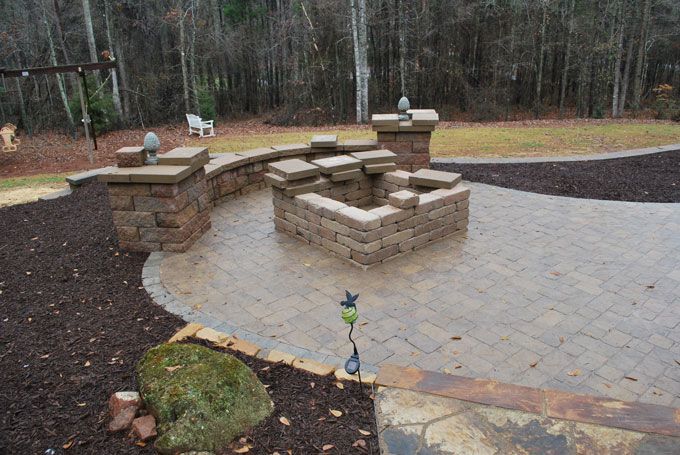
[[74, 320], [646, 178], [305, 401]]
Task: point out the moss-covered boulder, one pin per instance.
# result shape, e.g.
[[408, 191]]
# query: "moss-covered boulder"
[[202, 399]]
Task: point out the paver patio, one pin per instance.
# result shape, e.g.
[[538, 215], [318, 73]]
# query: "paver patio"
[[541, 287]]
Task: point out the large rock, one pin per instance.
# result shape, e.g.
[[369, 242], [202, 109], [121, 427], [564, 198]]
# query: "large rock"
[[201, 399]]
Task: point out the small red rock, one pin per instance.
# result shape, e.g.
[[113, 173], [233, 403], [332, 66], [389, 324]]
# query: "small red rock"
[[123, 420], [144, 428], [122, 400]]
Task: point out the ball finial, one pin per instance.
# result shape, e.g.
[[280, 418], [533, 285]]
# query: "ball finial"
[[151, 144], [403, 106]]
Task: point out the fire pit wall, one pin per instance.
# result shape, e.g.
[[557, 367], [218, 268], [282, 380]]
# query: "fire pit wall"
[[372, 217]]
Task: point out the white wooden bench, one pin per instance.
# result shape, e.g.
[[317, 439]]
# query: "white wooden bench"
[[198, 125]]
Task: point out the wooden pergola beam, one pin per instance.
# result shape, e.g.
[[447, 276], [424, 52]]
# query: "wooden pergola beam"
[[59, 69]]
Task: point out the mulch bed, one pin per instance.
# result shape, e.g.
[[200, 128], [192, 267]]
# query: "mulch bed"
[[305, 401], [74, 320], [646, 178]]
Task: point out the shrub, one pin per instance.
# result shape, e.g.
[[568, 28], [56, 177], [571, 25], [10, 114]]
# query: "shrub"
[[101, 110]]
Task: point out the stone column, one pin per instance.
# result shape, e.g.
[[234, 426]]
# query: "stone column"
[[164, 207], [409, 139]]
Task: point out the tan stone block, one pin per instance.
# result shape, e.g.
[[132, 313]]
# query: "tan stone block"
[[441, 212], [318, 368], [211, 335], [379, 168], [275, 356], [336, 248], [186, 244], [130, 156], [284, 226], [168, 189], [161, 204], [454, 195], [337, 164], [361, 247], [328, 234], [403, 199], [127, 234], [324, 141], [379, 192], [361, 193], [340, 190], [158, 174], [325, 207], [401, 178], [462, 224], [295, 190], [462, 205], [414, 242], [461, 215], [427, 227], [413, 159], [346, 175], [293, 169], [239, 345], [313, 218], [296, 220], [425, 118], [366, 378], [129, 189], [414, 221], [185, 156], [146, 247], [378, 256], [385, 119], [258, 154], [428, 202], [187, 331], [374, 156], [421, 148], [359, 145], [413, 136], [291, 149], [358, 219], [389, 214], [386, 136], [435, 179], [137, 219], [397, 238], [335, 226], [121, 202], [302, 200], [373, 235], [178, 219], [175, 235]]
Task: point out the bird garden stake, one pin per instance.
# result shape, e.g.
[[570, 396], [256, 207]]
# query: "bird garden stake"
[[350, 315]]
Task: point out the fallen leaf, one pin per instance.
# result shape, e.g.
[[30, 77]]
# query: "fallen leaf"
[[575, 372], [44, 356], [87, 364], [609, 386], [339, 385], [364, 432], [631, 378], [555, 273], [561, 340], [359, 443], [140, 443], [505, 338], [650, 286], [171, 369], [68, 444], [264, 369], [312, 384], [455, 337], [327, 447], [533, 364], [336, 413], [458, 366], [81, 405], [244, 449], [446, 371], [284, 421]]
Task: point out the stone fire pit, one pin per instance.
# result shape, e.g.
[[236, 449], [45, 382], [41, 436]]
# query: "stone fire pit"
[[361, 208]]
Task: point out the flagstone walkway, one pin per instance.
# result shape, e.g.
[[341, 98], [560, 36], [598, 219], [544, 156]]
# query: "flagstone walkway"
[[543, 291]]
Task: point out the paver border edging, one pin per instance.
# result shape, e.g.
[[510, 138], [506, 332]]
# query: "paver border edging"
[[557, 159], [629, 415]]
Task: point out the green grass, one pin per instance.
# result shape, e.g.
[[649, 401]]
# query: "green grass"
[[492, 141], [30, 181]]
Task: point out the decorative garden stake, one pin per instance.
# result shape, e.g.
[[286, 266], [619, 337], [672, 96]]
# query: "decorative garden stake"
[[350, 315], [151, 145], [403, 106]]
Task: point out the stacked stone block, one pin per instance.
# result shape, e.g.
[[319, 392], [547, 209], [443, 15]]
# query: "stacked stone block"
[[410, 140], [406, 218], [164, 207]]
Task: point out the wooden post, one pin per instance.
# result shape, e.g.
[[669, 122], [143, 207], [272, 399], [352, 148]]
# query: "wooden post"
[[86, 120]]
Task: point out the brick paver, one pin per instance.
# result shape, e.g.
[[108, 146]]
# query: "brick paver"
[[543, 291]]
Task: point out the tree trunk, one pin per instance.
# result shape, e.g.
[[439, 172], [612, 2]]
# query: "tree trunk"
[[183, 63], [89, 31], [358, 73], [626, 78], [567, 55], [60, 77], [363, 58], [617, 63], [642, 49], [114, 76], [192, 57], [539, 71], [402, 47]]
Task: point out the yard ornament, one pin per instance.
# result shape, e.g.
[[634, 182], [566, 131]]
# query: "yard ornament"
[[350, 315], [403, 106], [9, 139], [151, 145]]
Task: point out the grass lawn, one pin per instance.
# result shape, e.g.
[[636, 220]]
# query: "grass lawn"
[[483, 140], [19, 190]]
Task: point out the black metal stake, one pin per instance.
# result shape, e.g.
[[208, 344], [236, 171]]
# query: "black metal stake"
[[356, 353]]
